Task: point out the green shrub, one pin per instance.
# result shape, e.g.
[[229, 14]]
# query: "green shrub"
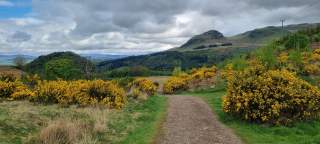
[[298, 42], [128, 72], [124, 81], [239, 62], [62, 68], [267, 55], [316, 37]]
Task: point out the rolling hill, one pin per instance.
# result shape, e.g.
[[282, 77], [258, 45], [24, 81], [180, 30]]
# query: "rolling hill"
[[60, 63], [209, 48]]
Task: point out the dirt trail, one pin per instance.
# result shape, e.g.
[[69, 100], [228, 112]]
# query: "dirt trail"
[[191, 121]]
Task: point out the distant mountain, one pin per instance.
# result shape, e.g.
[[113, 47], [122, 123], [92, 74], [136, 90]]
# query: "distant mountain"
[[255, 38], [102, 57], [209, 48], [9, 59], [206, 37]]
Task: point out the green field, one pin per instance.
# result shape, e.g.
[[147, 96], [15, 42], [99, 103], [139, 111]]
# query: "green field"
[[24, 122], [299, 133]]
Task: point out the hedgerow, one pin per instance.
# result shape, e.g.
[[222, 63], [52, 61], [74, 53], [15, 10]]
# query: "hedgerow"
[[270, 96]]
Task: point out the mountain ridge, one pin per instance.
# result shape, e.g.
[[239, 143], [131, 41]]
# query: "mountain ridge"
[[255, 37], [207, 52]]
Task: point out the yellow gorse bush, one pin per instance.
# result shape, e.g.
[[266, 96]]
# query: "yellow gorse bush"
[[7, 77], [202, 77], [105, 93], [176, 83], [14, 90], [144, 86], [52, 92], [283, 58], [312, 63], [31, 80], [97, 92], [197, 78], [270, 96]]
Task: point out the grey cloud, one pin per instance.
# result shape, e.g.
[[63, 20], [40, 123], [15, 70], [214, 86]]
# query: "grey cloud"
[[272, 4], [19, 36], [113, 15], [140, 26]]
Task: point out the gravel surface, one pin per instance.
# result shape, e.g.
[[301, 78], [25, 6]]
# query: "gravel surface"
[[191, 121]]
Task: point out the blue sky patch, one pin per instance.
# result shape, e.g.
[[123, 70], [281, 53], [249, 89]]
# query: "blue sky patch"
[[20, 8]]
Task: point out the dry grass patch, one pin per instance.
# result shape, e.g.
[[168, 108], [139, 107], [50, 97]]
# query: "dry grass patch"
[[22, 122], [67, 132], [7, 70]]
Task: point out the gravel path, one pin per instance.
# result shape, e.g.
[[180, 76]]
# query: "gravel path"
[[191, 121]]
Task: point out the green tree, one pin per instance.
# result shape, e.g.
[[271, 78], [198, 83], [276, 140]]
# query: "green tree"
[[19, 61], [62, 68], [298, 42], [317, 37]]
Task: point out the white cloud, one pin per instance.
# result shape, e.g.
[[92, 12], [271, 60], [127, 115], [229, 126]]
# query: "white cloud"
[[140, 26]]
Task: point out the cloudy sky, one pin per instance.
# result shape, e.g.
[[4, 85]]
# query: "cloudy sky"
[[135, 26]]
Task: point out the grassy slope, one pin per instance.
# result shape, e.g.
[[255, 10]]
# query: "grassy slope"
[[300, 133], [21, 121]]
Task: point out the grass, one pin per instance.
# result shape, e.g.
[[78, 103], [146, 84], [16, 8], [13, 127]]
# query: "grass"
[[148, 117], [300, 133], [24, 122]]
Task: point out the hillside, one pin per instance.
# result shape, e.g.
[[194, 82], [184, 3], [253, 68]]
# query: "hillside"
[[258, 37], [58, 64], [168, 60], [211, 47]]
